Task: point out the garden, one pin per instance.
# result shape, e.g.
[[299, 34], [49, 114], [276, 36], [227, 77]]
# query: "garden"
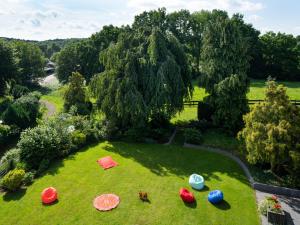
[[159, 170], [114, 140]]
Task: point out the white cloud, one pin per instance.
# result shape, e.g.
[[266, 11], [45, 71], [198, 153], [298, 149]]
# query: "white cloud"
[[254, 18], [196, 5]]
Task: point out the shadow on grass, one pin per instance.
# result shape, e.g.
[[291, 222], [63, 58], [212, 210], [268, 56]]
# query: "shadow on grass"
[[205, 188], [59, 163], [191, 205], [224, 205], [165, 160], [14, 196], [51, 204]]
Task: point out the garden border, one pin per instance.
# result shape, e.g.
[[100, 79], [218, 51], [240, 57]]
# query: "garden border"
[[272, 189]]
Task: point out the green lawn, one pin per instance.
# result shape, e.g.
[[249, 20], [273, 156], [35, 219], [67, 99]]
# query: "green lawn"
[[159, 170], [257, 90], [56, 98]]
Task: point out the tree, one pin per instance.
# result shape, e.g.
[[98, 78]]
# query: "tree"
[[188, 31], [83, 56], [67, 62], [256, 69], [151, 19], [146, 74], [281, 54], [224, 64], [272, 131], [31, 62], [75, 95], [8, 67]]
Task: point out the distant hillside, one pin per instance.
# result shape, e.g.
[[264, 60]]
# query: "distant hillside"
[[48, 47]]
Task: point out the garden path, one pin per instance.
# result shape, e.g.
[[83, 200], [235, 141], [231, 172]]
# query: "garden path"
[[51, 110]]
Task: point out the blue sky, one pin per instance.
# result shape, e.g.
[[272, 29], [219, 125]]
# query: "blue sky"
[[49, 19]]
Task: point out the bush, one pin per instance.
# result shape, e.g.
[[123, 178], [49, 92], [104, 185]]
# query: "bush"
[[23, 112], [193, 136], [205, 111], [39, 143], [28, 178], [201, 125], [109, 130], [11, 158], [75, 95], [44, 165], [4, 133], [18, 91], [8, 133], [272, 131], [78, 138], [4, 104], [134, 134], [13, 179]]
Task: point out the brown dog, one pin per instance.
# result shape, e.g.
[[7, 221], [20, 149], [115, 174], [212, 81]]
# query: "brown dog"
[[143, 196]]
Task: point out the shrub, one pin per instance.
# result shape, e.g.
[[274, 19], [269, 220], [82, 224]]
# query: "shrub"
[[193, 136], [75, 95], [201, 125], [272, 131], [13, 179], [4, 133], [78, 138], [109, 130], [43, 166], [205, 111], [4, 104], [39, 143], [23, 112], [134, 134], [18, 91], [11, 158], [28, 178]]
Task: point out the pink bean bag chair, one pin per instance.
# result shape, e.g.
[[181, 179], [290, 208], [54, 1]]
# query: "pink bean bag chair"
[[49, 195], [106, 202], [186, 195], [107, 162]]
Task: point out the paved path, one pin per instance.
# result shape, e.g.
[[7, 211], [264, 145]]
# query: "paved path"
[[51, 110], [291, 206]]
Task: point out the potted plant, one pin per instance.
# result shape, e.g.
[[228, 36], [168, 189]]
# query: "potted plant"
[[276, 215], [271, 208]]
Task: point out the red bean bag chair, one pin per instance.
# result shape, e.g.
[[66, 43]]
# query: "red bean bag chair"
[[186, 195], [49, 195]]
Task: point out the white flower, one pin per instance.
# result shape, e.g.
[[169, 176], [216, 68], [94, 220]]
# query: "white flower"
[[71, 129], [1, 121]]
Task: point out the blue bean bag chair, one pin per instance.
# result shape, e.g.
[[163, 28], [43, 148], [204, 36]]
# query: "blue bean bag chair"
[[215, 196], [196, 181]]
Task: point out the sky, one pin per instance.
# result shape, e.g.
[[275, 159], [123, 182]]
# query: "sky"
[[51, 19]]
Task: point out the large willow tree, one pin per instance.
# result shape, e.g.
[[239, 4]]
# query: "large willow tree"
[[224, 64], [146, 74]]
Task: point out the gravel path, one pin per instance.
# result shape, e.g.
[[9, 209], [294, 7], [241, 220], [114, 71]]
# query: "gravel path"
[[51, 110]]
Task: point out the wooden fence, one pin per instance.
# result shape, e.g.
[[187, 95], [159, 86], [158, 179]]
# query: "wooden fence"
[[250, 102]]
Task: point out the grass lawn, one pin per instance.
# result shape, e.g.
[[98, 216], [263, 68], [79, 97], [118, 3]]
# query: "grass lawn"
[[56, 98], [159, 170], [257, 90]]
